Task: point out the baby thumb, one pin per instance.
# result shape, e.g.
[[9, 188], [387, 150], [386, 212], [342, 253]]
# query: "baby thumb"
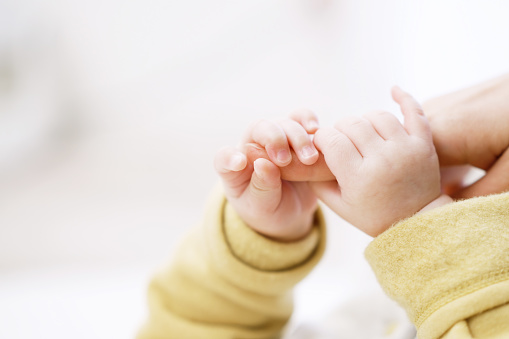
[[265, 185]]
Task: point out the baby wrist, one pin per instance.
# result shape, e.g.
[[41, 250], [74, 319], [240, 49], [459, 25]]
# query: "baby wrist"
[[442, 200], [288, 233], [264, 253]]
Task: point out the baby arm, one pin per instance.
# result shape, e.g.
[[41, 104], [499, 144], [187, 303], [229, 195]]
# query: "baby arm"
[[232, 276], [445, 263], [276, 208]]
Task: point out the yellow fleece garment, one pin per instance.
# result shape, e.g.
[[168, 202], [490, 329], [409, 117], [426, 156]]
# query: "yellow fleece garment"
[[227, 281], [449, 268]]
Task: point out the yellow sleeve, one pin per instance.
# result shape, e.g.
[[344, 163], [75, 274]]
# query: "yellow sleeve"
[[227, 281], [449, 268]]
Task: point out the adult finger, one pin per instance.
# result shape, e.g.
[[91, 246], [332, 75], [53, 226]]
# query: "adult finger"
[[415, 121], [496, 180]]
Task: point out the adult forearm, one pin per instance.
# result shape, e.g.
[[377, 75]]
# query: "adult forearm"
[[470, 125], [490, 95]]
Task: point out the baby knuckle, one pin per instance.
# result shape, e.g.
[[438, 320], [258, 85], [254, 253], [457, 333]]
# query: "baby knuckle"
[[301, 140], [349, 123], [358, 122], [261, 123], [418, 109], [253, 126], [376, 114], [302, 113], [337, 143]]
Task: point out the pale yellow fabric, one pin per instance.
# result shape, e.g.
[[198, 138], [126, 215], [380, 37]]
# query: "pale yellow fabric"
[[263, 253], [493, 324], [449, 268], [227, 281], [484, 299]]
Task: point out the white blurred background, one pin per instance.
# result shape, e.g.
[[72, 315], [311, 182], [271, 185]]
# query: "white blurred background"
[[111, 111]]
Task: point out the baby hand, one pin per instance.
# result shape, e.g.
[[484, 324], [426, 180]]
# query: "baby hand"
[[384, 171], [280, 209]]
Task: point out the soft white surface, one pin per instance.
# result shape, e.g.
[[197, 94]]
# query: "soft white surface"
[[65, 302], [111, 111]]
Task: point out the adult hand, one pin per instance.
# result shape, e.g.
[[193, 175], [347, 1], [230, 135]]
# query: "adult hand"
[[471, 127]]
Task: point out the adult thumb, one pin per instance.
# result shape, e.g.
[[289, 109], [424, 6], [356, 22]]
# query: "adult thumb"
[[496, 180]]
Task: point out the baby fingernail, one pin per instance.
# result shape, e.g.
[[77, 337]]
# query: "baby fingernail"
[[308, 152], [312, 124], [283, 156], [236, 161], [256, 167]]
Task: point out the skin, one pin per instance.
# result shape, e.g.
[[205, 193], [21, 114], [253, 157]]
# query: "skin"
[[279, 209], [381, 171], [384, 171], [270, 176], [470, 129]]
